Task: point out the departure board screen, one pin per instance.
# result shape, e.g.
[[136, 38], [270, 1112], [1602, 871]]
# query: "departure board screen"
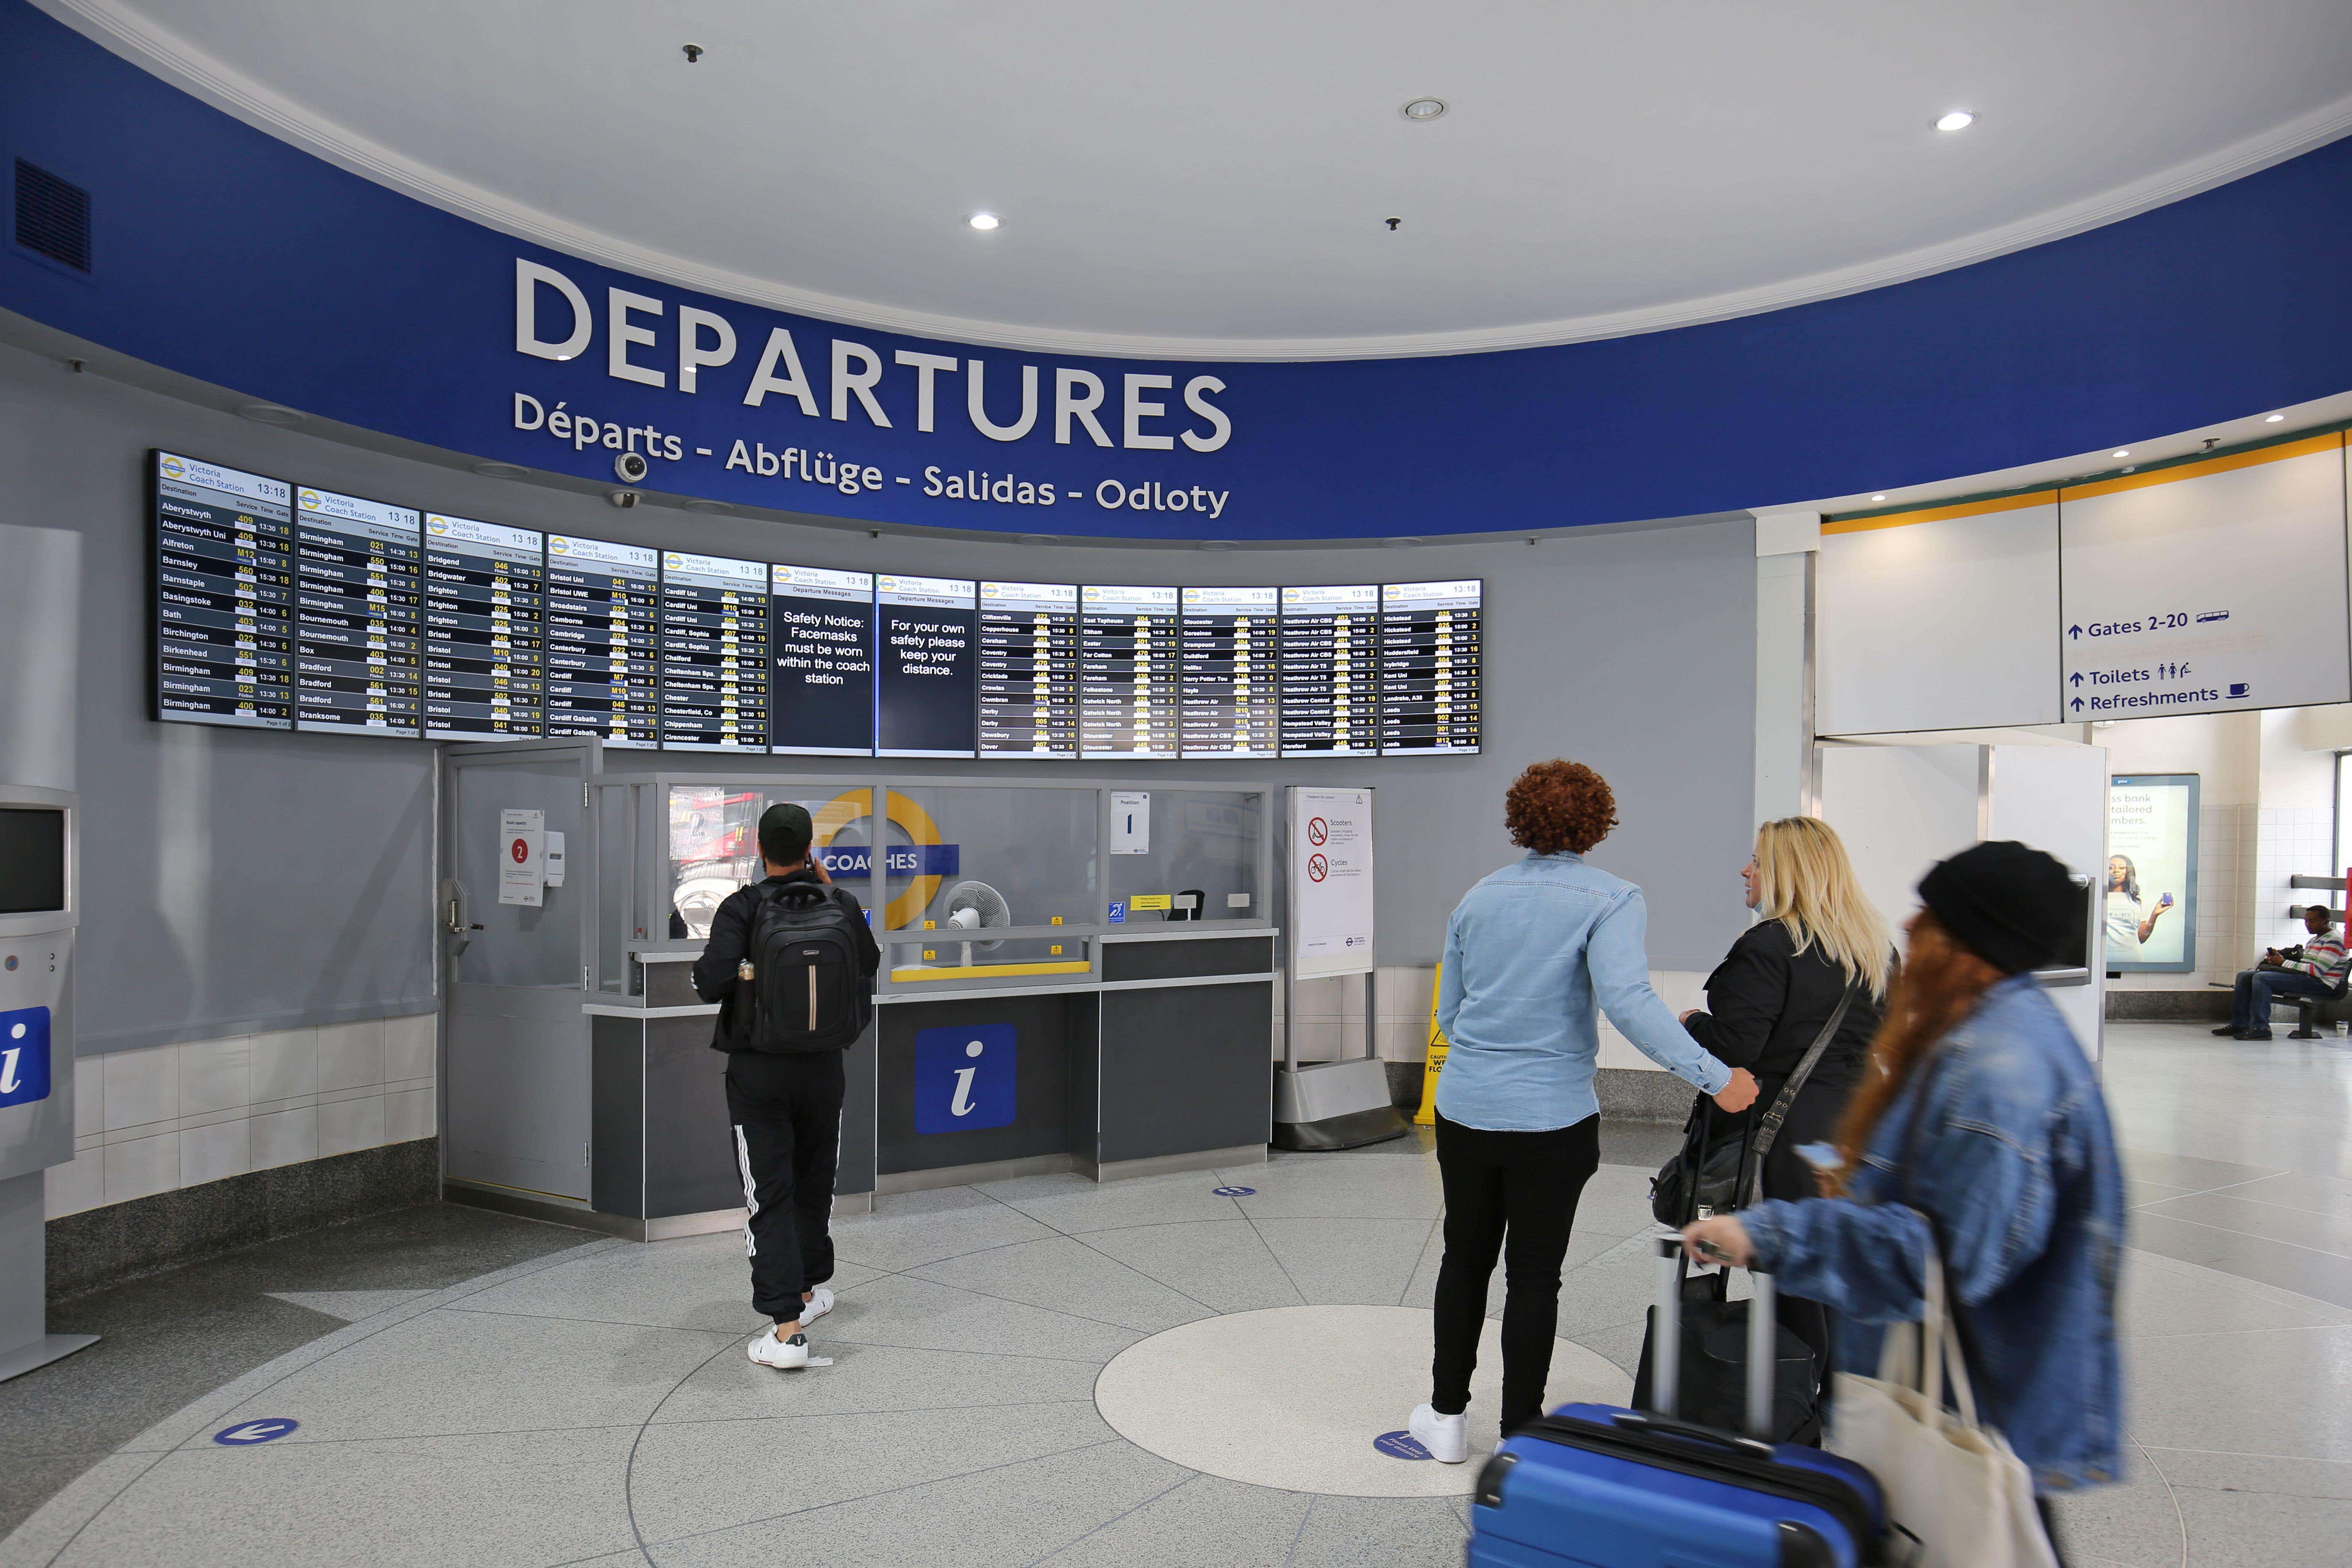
[[1128, 669], [925, 702], [485, 630], [1330, 642], [1430, 666], [1028, 670], [1229, 672], [821, 632], [359, 609], [714, 653], [223, 605], [603, 639]]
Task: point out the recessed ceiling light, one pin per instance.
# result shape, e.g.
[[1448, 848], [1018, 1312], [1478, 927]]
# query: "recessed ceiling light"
[[2274, 418], [1878, 498], [501, 471], [269, 414], [2125, 453], [701, 503], [1216, 544], [982, 221], [1958, 119], [1423, 108], [1401, 541]]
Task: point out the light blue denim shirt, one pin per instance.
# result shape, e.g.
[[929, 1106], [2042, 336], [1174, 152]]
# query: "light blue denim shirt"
[[2016, 1162], [1528, 951]]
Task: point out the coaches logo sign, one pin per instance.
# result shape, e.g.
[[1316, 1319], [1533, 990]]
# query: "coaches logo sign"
[[964, 1078]]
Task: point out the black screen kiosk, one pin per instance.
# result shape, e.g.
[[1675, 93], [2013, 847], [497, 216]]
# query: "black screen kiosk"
[[1128, 670], [1229, 675], [602, 639], [714, 653], [820, 633], [485, 630], [1331, 643], [1028, 670], [1430, 666], [926, 695], [224, 605], [358, 614]]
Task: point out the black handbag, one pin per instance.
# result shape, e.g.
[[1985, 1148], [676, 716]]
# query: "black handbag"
[[1717, 1170]]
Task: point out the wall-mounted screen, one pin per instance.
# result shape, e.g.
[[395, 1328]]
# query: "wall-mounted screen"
[[1028, 670], [1330, 663], [485, 630], [32, 859], [924, 705], [224, 602], [714, 653], [1229, 679], [1128, 657], [821, 637], [358, 614], [2150, 909], [1430, 674], [604, 603]]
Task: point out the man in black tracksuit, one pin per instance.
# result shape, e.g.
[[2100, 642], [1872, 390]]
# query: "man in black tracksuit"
[[785, 1107]]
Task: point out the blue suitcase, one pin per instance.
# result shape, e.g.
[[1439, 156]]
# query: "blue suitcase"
[[1598, 1485]]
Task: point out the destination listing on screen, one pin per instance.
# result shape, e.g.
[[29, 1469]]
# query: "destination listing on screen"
[[714, 653], [1229, 679], [1430, 666], [223, 606], [603, 607], [485, 630], [1330, 659], [1028, 670], [358, 614], [1130, 659]]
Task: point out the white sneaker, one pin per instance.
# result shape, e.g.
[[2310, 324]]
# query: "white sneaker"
[[785, 1355], [819, 1303], [1447, 1438]]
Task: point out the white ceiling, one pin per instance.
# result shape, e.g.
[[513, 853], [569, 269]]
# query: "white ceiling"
[[1210, 178]]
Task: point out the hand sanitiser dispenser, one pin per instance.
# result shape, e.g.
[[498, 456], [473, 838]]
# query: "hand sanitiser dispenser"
[[37, 916]]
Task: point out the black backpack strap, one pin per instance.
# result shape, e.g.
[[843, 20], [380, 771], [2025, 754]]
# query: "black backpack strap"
[[1767, 1130]]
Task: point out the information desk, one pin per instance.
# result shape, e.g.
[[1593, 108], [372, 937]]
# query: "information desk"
[[1076, 976]]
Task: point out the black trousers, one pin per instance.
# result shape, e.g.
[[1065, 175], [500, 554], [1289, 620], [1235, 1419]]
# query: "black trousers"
[[786, 1111], [1812, 1119], [1513, 1194]]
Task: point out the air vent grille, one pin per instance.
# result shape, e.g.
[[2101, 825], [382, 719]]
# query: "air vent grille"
[[52, 217]]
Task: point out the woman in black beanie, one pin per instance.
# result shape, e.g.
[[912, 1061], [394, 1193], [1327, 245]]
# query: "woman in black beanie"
[[1979, 1132]]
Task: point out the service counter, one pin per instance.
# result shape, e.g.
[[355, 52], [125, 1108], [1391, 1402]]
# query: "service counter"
[[1060, 991]]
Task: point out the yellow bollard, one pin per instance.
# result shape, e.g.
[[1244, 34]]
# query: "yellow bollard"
[[1427, 1115]]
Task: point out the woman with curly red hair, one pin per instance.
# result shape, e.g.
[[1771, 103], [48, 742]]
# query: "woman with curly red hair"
[[1529, 952]]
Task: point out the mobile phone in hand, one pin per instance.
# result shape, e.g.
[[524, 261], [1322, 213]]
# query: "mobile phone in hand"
[[2165, 902], [1711, 1252], [1821, 1157]]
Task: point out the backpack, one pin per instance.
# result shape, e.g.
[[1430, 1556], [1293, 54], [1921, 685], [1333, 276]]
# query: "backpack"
[[807, 990]]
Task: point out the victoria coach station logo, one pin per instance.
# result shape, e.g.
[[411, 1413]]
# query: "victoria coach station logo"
[[674, 561], [174, 470], [436, 525], [311, 499], [558, 545]]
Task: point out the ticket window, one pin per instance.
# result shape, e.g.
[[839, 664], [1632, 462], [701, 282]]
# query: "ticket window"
[[714, 844], [1197, 857]]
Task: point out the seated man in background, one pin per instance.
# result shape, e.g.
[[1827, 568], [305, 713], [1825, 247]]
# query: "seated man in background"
[[2312, 968]]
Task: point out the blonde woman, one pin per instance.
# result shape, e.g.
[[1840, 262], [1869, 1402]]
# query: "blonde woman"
[[1818, 940]]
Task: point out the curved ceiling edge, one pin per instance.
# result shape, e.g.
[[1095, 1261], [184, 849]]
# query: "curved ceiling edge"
[[165, 55]]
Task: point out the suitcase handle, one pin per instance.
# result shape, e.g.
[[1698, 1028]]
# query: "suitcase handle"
[[1763, 1340], [1643, 1421]]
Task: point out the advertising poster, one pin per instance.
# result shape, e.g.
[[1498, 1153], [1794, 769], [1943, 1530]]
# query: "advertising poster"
[[2150, 911]]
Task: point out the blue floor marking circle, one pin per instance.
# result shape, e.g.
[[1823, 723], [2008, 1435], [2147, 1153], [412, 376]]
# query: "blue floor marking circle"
[[1401, 1446], [245, 1434], [1234, 1191]]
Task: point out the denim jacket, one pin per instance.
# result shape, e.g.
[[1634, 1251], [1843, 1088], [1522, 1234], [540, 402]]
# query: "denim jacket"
[[1528, 951], [2016, 1164]]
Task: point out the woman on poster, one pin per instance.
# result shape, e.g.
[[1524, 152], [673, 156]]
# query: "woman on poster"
[[2128, 928]]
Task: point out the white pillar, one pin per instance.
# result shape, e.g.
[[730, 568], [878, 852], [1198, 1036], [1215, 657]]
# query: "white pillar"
[[1786, 543]]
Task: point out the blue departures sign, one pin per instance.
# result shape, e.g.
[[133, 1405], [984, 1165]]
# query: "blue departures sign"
[[24, 1056], [964, 1078]]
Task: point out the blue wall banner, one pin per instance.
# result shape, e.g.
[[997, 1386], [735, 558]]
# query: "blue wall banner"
[[223, 254]]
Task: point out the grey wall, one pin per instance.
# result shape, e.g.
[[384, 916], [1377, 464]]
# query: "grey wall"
[[236, 881]]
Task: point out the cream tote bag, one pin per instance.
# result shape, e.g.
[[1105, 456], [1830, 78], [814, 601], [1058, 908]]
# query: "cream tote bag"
[[1951, 1483]]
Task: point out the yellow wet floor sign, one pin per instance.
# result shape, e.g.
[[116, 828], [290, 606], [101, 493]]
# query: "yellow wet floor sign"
[[1427, 1115]]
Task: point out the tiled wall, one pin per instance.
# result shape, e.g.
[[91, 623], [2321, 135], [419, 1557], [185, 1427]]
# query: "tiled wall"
[[147, 1121], [1331, 1015], [2289, 840]]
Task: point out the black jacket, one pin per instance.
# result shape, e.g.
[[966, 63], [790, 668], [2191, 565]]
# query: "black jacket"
[[731, 935], [1766, 1004]]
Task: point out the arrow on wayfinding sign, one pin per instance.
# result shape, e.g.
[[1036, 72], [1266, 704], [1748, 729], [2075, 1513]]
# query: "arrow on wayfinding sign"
[[2078, 705], [2073, 631], [2078, 678]]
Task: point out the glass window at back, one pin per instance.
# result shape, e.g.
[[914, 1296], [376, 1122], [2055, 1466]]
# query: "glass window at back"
[[714, 845], [1007, 855], [1200, 841], [32, 859]]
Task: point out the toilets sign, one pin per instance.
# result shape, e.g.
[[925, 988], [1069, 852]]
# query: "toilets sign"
[[964, 1078]]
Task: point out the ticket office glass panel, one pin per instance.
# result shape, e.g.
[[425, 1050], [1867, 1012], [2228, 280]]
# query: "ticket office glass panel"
[[1205, 842]]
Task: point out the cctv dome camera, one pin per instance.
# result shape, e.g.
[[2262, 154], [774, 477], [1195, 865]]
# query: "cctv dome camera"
[[631, 468]]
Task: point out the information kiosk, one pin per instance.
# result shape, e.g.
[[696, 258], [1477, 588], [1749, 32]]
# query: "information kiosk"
[[1054, 995]]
